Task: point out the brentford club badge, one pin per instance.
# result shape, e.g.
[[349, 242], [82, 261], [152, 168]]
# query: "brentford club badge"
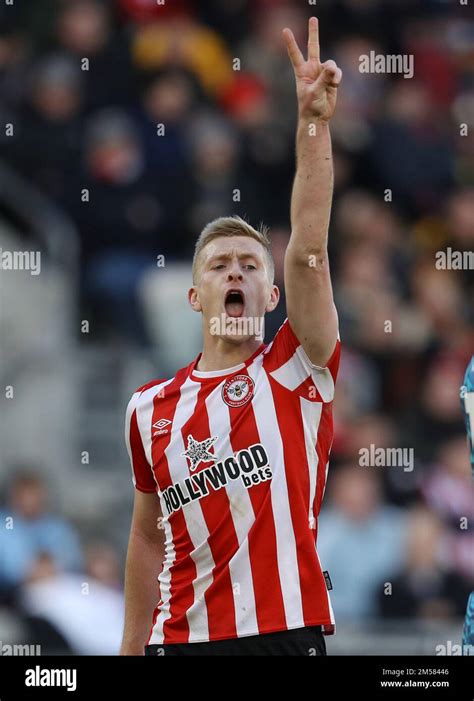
[[238, 390]]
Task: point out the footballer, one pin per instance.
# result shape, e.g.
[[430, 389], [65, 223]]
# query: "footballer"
[[230, 456]]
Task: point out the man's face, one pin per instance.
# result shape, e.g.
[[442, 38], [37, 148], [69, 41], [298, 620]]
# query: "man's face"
[[233, 289], [29, 499]]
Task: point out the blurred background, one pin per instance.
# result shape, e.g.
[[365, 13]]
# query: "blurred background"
[[128, 126]]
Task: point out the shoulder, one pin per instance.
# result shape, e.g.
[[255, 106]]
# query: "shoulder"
[[143, 390], [149, 385], [288, 364], [286, 343], [153, 387]]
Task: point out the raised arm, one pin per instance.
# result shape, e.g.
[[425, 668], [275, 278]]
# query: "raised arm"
[[310, 305]]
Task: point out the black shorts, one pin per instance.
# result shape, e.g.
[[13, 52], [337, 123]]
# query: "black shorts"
[[306, 642]]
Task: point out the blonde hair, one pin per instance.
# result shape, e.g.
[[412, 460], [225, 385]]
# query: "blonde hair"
[[233, 226]]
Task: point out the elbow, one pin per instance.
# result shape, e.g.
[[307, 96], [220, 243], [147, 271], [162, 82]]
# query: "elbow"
[[312, 257]]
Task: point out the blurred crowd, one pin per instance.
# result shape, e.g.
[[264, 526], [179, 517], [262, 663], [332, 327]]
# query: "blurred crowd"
[[144, 121], [65, 594]]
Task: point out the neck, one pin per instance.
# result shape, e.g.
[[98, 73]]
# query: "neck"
[[219, 354]]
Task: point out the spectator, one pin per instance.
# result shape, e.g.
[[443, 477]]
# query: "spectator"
[[34, 530], [423, 587], [448, 491], [84, 30], [360, 540], [85, 612], [46, 141], [213, 143], [182, 41], [103, 564], [134, 215], [169, 100], [410, 153], [434, 415]]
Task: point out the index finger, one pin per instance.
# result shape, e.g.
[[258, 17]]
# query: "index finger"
[[293, 49], [313, 38]]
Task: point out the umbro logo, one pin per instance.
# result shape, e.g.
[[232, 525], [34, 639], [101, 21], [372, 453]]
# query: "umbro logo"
[[161, 426]]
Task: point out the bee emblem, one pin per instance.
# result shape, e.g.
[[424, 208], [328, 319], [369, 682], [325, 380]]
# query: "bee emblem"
[[238, 390]]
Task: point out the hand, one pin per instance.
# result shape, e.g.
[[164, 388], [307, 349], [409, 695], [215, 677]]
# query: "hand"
[[316, 83]]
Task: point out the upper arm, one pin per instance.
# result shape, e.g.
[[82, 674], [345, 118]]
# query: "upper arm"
[[147, 514], [146, 517], [142, 475], [286, 362], [310, 304]]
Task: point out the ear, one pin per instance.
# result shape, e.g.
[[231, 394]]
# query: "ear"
[[193, 298], [273, 300]]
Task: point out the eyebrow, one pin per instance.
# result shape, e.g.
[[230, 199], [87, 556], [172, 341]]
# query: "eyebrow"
[[226, 256]]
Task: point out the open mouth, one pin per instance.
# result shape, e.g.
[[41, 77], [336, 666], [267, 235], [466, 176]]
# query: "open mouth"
[[234, 303]]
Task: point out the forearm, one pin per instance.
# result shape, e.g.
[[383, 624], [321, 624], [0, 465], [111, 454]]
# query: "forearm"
[[309, 298], [312, 188], [144, 562]]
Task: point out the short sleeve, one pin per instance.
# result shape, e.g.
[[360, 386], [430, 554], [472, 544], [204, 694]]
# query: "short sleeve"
[[287, 362], [142, 476]]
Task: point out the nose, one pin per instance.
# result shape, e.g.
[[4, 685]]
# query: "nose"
[[235, 272]]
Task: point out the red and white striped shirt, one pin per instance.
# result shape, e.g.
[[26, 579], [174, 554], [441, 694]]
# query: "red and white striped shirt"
[[239, 459]]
